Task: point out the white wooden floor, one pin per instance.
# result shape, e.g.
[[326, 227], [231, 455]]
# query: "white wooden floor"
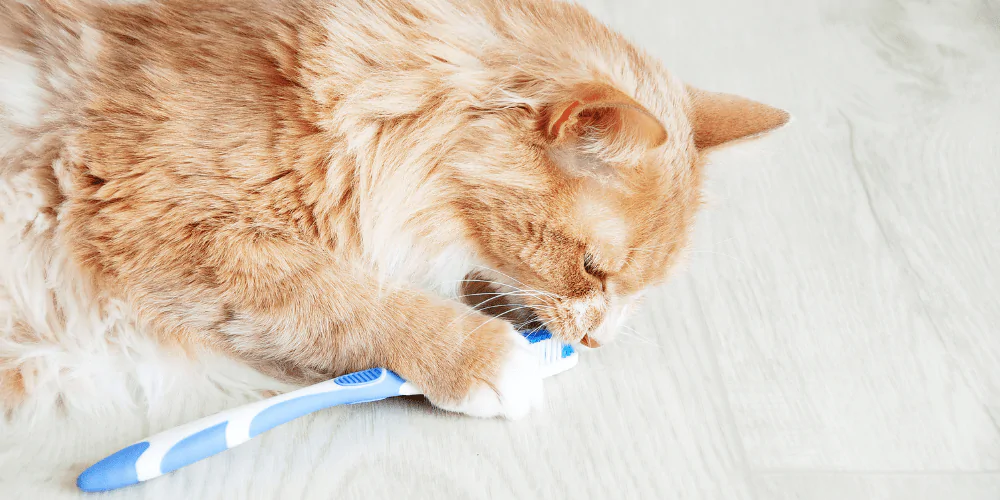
[[836, 334]]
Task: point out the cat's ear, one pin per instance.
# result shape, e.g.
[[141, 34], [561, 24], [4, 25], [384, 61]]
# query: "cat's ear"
[[717, 118], [600, 113]]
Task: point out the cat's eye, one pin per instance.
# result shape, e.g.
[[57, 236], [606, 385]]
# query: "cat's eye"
[[590, 266]]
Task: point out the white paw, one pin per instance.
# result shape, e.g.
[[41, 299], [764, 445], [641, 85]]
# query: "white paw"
[[514, 393]]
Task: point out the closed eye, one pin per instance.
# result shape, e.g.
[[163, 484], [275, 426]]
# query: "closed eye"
[[590, 266]]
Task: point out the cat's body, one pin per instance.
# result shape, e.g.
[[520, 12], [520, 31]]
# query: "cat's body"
[[309, 185]]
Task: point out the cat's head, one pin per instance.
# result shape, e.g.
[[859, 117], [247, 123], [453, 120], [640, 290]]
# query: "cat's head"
[[587, 199]]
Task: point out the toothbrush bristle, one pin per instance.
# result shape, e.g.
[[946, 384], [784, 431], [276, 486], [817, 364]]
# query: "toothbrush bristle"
[[554, 356]]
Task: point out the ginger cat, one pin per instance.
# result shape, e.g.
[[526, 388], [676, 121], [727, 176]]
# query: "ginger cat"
[[322, 186]]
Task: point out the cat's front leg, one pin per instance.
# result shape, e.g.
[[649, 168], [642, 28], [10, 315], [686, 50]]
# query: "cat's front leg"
[[462, 360], [476, 365]]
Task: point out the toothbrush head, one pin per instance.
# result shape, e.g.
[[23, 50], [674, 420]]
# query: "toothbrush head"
[[554, 356]]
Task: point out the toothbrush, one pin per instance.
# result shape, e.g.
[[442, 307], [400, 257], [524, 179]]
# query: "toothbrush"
[[174, 448]]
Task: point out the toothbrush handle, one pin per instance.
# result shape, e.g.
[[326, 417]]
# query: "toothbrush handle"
[[184, 445]]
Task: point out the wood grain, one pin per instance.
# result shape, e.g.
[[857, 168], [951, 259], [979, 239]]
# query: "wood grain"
[[857, 251], [827, 486], [835, 335]]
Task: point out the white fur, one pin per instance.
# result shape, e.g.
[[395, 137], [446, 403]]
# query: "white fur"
[[22, 100], [83, 352], [518, 391], [445, 272], [399, 258], [618, 313], [77, 350], [585, 308]]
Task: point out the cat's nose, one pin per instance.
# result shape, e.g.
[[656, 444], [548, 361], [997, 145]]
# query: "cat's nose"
[[588, 341]]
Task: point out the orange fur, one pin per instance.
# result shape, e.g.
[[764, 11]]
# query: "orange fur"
[[282, 180]]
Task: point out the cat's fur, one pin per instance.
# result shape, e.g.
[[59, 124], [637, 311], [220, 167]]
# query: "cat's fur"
[[322, 186]]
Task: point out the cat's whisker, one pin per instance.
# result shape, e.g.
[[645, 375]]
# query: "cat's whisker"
[[741, 261], [516, 293], [518, 289], [632, 333], [478, 307], [520, 326], [484, 323], [653, 247], [488, 282], [501, 273], [468, 334], [519, 306]]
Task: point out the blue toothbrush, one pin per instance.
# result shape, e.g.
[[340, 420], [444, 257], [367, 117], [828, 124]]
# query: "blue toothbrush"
[[189, 443]]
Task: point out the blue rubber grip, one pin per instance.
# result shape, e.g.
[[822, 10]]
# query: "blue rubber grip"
[[115, 471], [210, 438], [195, 447], [353, 392], [120, 469]]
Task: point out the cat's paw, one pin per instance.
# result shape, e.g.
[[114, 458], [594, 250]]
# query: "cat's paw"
[[514, 391]]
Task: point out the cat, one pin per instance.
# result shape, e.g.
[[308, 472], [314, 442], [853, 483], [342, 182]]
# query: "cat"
[[315, 187]]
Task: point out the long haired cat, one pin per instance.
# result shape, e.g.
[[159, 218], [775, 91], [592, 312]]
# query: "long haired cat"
[[321, 186]]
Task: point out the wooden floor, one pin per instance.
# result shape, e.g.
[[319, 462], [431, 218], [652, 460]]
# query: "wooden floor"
[[835, 336]]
